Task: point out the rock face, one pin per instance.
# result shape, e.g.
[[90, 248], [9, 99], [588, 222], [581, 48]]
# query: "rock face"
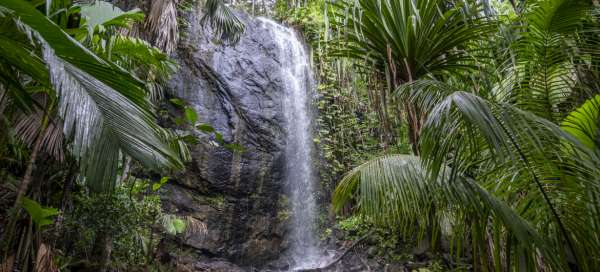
[[237, 90]]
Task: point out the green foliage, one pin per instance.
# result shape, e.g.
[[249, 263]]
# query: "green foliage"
[[173, 225], [582, 123], [190, 115], [131, 215], [41, 216], [191, 118], [205, 128], [412, 38], [346, 130], [309, 18], [104, 108], [354, 226], [78, 93], [507, 156], [160, 183], [223, 21]]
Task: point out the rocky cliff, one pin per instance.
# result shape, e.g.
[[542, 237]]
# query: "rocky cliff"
[[238, 90]]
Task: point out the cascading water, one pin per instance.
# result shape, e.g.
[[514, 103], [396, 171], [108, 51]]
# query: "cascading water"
[[300, 179]]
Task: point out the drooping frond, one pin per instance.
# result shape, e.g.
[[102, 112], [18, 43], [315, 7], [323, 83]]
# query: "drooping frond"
[[542, 75], [29, 126], [414, 38], [161, 23], [395, 190], [225, 24], [513, 153], [104, 108]]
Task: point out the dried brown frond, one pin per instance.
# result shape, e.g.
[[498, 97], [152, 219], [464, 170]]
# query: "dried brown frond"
[[194, 227], [28, 127], [161, 25]]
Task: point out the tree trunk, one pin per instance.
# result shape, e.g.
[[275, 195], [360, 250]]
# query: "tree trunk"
[[102, 250], [66, 201], [30, 168], [414, 128]]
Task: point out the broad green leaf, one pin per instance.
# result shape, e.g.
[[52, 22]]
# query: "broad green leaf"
[[39, 215], [190, 139], [164, 180], [177, 102], [219, 138], [583, 122], [160, 183], [191, 115], [179, 225], [206, 128], [172, 224], [235, 147]]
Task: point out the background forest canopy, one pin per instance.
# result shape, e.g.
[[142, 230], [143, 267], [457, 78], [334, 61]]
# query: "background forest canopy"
[[470, 125]]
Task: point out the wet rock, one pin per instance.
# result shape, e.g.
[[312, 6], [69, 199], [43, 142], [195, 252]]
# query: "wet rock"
[[238, 91], [191, 264], [217, 266], [372, 251]]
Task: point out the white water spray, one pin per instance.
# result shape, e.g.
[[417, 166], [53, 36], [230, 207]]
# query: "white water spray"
[[299, 175]]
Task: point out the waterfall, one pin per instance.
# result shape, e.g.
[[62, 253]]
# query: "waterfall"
[[300, 175]]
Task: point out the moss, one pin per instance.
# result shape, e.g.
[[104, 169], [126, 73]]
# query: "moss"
[[216, 200], [283, 215]]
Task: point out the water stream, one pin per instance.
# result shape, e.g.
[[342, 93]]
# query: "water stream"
[[300, 175]]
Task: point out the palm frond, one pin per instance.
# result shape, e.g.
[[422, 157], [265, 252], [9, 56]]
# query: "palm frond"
[[162, 25], [514, 152], [542, 75], [148, 63], [99, 121], [223, 21], [395, 190], [28, 127], [415, 37], [583, 123]]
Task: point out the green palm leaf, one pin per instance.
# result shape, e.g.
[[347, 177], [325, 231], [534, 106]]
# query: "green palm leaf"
[[104, 108], [395, 190], [416, 37], [583, 123], [223, 21]]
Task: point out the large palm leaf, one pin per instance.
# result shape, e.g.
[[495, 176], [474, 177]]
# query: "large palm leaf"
[[395, 190], [541, 74], [584, 123], [505, 142], [223, 21], [408, 40], [415, 38], [104, 108]]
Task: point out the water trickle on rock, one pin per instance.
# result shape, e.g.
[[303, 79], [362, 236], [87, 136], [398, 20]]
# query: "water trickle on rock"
[[299, 175]]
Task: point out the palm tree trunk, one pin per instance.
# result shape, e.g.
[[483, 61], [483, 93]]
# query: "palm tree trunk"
[[32, 159], [102, 250], [30, 168], [66, 199], [414, 127]]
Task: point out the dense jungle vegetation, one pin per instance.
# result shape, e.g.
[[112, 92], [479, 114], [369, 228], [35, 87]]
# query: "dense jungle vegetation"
[[470, 126]]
